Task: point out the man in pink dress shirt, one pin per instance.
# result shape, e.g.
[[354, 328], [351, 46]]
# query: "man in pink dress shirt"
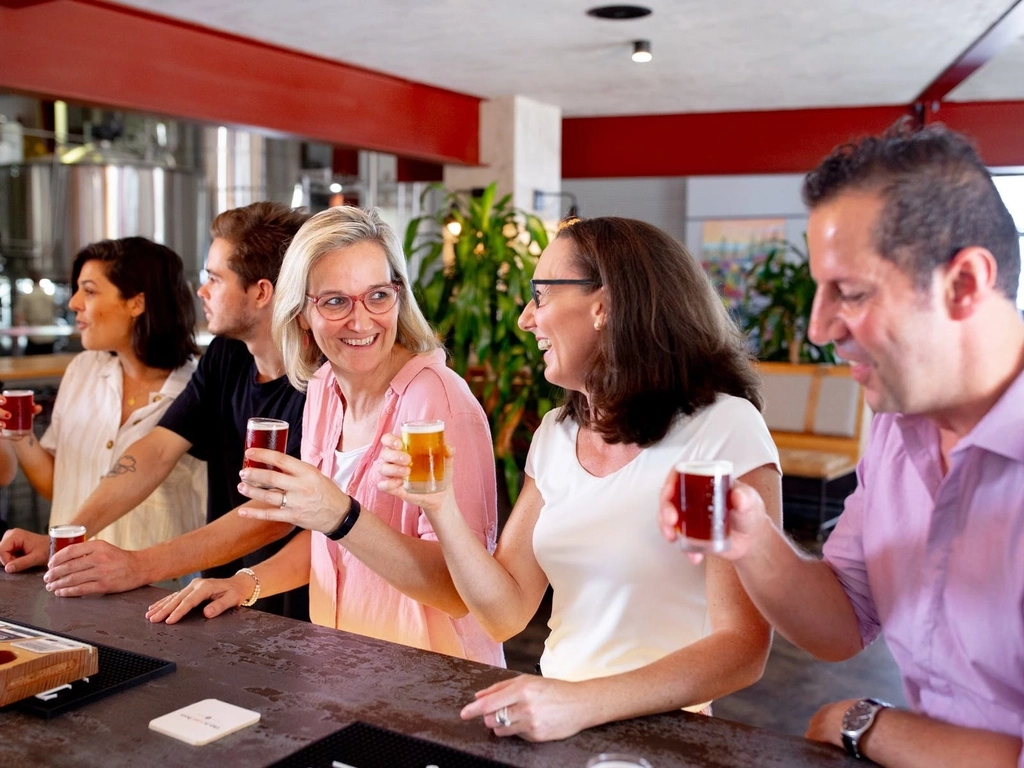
[[917, 263]]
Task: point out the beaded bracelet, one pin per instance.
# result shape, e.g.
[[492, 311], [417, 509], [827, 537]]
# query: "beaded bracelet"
[[256, 592]]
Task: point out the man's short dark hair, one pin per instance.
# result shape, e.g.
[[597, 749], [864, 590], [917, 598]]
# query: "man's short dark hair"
[[259, 234], [938, 198]]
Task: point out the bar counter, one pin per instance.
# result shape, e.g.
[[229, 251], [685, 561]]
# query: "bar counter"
[[309, 681]]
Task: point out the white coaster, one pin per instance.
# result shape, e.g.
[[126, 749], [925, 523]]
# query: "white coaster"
[[204, 721]]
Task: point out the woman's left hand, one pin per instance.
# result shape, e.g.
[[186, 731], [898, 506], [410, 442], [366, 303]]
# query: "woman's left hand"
[[535, 708], [297, 493]]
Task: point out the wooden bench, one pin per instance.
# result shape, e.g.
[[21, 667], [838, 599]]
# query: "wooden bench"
[[818, 419]]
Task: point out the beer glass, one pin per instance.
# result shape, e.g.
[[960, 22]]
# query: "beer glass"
[[265, 433], [430, 470], [21, 405], [64, 536], [703, 505], [615, 760]]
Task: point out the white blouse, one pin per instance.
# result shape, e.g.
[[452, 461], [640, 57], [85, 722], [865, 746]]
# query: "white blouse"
[[86, 442]]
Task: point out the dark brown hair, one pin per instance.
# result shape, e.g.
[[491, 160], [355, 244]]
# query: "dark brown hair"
[[938, 199], [259, 234], [668, 346], [163, 335]]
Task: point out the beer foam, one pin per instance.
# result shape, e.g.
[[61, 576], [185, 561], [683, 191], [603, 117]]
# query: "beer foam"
[[266, 425], [18, 392], [423, 427], [704, 468], [67, 531]]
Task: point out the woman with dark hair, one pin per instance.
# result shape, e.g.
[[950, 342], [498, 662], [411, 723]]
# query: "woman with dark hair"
[[134, 310], [655, 373]]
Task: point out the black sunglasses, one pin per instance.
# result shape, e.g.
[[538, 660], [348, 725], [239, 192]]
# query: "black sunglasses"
[[573, 281]]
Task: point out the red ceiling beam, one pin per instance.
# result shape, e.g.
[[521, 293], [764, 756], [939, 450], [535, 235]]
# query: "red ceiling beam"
[[993, 126], [102, 54], [1007, 30], [789, 141]]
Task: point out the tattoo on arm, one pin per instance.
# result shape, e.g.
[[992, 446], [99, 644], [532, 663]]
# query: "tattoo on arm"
[[124, 465]]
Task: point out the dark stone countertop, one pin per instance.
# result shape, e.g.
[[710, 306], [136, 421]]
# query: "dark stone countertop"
[[308, 681]]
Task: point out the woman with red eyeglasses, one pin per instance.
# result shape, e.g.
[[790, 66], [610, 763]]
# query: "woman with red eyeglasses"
[[354, 338]]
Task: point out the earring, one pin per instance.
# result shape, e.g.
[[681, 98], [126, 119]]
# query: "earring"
[[598, 325]]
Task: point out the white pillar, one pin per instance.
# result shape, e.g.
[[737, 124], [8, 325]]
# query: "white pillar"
[[520, 149]]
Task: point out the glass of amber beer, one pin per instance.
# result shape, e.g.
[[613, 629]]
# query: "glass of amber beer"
[[430, 470], [21, 405], [64, 536], [702, 501]]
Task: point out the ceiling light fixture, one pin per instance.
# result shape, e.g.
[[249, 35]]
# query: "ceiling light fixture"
[[619, 12], [642, 51]]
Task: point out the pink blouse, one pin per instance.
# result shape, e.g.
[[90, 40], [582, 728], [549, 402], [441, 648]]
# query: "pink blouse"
[[344, 593]]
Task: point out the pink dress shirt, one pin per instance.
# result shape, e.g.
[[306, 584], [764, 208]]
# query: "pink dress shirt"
[[937, 562], [344, 593]]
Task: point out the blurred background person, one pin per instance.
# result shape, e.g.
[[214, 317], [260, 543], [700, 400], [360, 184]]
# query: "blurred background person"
[[355, 340], [240, 375], [135, 313], [36, 308], [655, 372]]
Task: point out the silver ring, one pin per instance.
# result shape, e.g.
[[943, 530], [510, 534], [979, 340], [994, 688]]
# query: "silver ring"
[[284, 499], [501, 717]]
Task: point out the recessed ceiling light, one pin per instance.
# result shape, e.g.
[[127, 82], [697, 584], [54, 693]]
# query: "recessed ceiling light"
[[642, 51], [619, 12]]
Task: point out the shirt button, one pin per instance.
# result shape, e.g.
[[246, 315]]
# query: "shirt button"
[[156, 399], [110, 444], [391, 410]]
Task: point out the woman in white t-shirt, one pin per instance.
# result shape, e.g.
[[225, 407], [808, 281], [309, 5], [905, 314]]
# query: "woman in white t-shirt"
[[654, 372], [136, 315]]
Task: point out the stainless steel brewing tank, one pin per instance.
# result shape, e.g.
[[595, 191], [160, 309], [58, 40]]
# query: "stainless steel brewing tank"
[[49, 210]]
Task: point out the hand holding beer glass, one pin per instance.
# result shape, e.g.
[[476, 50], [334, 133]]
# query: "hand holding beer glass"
[[702, 503], [62, 536], [430, 471]]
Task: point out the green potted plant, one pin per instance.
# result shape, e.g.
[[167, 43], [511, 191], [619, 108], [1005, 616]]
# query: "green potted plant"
[[782, 291], [476, 257]]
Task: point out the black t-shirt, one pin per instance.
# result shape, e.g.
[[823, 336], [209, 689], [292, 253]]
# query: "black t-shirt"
[[211, 413]]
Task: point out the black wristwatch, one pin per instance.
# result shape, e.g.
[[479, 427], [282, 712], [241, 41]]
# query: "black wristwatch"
[[856, 722]]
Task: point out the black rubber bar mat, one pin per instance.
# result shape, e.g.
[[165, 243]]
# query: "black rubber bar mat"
[[118, 670], [361, 745]]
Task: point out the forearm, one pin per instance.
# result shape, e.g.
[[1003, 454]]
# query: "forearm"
[[799, 596], [714, 666], [37, 464], [287, 569], [415, 567], [8, 462], [901, 739], [502, 605], [133, 478], [225, 539]]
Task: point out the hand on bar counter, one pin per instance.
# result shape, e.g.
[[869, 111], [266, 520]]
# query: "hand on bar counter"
[[21, 550]]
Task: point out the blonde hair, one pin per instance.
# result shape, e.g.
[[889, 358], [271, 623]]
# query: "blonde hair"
[[324, 233]]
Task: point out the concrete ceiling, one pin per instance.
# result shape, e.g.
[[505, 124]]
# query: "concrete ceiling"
[[709, 55]]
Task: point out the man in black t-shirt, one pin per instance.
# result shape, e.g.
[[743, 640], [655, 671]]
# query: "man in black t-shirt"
[[239, 376]]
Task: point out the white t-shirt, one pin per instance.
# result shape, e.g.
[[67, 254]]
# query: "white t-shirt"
[[86, 442], [623, 596]]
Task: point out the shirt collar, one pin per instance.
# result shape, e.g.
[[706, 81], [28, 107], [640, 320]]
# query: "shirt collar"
[[405, 376], [1001, 430]]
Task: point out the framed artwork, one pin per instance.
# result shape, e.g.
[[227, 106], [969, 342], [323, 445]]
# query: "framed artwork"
[[730, 248]]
